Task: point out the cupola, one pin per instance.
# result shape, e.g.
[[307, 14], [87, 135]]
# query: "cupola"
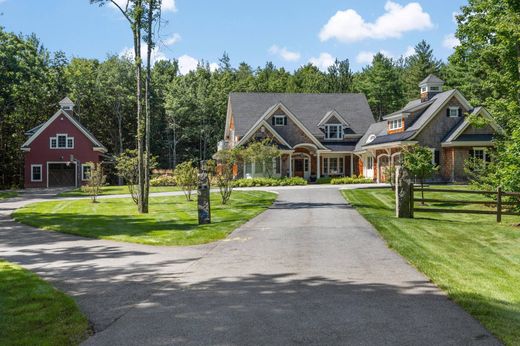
[[430, 86], [67, 105]]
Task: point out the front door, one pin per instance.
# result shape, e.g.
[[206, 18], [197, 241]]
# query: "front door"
[[62, 175], [301, 167]]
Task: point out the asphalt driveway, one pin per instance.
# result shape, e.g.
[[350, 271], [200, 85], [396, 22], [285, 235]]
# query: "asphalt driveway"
[[310, 270]]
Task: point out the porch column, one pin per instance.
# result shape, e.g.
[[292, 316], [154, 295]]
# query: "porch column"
[[318, 168], [290, 164], [351, 164]]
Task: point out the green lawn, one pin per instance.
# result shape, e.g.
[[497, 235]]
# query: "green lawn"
[[172, 220], [7, 194], [117, 190], [32, 312], [474, 259]]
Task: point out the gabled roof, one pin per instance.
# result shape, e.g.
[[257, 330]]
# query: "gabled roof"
[[457, 133], [309, 109], [431, 79], [330, 114], [376, 129], [41, 128], [66, 102]]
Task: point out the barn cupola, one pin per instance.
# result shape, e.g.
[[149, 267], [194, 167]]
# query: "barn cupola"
[[67, 105], [430, 86]]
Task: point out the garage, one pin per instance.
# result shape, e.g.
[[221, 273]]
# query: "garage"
[[62, 174]]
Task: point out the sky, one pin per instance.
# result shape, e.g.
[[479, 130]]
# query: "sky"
[[290, 33]]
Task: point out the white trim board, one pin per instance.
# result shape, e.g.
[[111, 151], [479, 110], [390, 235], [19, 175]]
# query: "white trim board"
[[72, 120], [258, 126]]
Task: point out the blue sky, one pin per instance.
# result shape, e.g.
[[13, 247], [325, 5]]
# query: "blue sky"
[[288, 32]]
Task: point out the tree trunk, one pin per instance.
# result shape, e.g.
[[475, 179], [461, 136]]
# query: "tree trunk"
[[120, 134], [149, 42], [140, 121]]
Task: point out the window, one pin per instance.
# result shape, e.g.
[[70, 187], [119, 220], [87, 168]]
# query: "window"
[[333, 165], [479, 153], [85, 172], [279, 120], [453, 112], [395, 124], [434, 88], [277, 165], [424, 89], [36, 172], [248, 168], [334, 131], [370, 162], [62, 141]]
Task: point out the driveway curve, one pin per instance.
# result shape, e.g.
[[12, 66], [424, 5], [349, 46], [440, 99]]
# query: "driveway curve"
[[309, 270]]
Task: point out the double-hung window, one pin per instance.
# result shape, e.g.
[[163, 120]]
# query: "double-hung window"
[[62, 141], [370, 162], [85, 172], [334, 131], [36, 172], [396, 124]]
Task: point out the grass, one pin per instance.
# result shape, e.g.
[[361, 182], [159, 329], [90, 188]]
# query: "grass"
[[7, 194], [172, 220], [32, 312], [116, 190], [474, 259]]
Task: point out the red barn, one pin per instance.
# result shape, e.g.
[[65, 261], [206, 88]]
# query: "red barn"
[[57, 151]]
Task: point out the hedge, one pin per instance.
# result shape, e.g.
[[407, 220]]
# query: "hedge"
[[269, 182]]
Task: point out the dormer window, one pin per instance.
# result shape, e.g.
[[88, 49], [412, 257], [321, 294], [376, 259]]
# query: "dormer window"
[[453, 112], [395, 124], [333, 131], [62, 141], [279, 120]]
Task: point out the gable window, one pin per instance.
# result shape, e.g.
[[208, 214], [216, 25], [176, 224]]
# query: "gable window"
[[334, 131], [36, 172], [62, 141], [395, 124], [85, 172], [279, 120], [453, 112]]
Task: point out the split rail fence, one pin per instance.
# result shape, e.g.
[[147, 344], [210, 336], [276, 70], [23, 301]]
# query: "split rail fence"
[[497, 202]]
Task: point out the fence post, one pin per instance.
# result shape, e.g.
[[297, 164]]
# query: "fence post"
[[403, 194], [499, 204]]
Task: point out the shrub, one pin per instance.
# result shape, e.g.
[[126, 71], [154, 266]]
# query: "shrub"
[[351, 180], [269, 182], [186, 177], [323, 180], [95, 180], [163, 180]]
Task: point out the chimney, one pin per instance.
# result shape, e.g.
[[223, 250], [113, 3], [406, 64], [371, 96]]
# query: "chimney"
[[430, 86], [67, 105]]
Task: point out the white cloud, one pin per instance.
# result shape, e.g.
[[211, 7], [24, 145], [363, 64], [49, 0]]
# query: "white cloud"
[[284, 53], [166, 5], [213, 66], [450, 41], [365, 57], [323, 61], [454, 16], [187, 63], [409, 51], [156, 55], [173, 39], [349, 26]]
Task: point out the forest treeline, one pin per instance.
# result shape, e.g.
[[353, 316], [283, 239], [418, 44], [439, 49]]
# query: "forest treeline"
[[188, 111]]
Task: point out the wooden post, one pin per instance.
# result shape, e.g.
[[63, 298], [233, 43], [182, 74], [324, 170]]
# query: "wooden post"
[[499, 204], [203, 199]]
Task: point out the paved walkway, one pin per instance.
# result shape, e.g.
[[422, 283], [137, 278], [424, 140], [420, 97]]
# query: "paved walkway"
[[310, 270]]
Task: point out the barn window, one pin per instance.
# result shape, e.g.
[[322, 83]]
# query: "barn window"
[[85, 172], [36, 172], [62, 141]]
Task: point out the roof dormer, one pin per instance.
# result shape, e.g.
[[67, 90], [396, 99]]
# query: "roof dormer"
[[430, 86]]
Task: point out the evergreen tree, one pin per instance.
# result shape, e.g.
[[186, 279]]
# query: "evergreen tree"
[[417, 67]]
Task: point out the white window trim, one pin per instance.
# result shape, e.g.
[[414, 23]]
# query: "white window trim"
[[83, 165], [454, 109], [371, 160], [484, 151], [277, 117], [41, 173], [396, 124], [67, 137], [340, 168], [339, 132]]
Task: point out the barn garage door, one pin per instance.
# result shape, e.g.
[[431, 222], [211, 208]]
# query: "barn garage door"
[[61, 175]]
